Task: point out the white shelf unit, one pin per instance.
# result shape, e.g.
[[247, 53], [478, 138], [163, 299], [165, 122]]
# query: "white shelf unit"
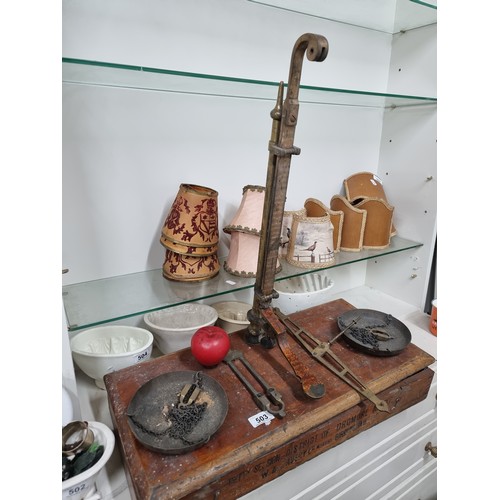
[[129, 142]]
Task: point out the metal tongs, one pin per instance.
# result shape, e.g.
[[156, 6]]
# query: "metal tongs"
[[270, 400]]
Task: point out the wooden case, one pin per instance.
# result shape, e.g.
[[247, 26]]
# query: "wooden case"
[[240, 458]]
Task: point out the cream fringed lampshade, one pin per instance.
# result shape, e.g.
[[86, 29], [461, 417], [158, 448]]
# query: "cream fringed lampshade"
[[315, 208], [311, 242], [286, 229], [245, 230]]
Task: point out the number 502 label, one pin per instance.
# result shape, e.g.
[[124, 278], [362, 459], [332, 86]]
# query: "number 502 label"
[[263, 417]]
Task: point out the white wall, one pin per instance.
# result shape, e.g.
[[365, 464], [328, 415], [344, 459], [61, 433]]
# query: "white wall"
[[125, 152], [413, 66], [68, 372], [408, 167], [222, 37]]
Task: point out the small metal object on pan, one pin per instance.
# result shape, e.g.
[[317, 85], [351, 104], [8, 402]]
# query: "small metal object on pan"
[[374, 332], [155, 406]]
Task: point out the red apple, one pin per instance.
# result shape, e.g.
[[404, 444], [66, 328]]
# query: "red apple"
[[209, 345]]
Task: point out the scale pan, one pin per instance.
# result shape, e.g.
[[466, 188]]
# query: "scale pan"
[[374, 332], [146, 412]]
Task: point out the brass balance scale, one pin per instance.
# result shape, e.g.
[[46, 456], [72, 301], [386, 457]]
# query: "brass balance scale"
[[370, 331]]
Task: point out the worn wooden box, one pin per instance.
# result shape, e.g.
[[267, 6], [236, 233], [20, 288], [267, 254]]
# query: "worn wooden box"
[[240, 458]]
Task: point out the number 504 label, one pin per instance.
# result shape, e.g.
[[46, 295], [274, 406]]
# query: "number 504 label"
[[263, 417]]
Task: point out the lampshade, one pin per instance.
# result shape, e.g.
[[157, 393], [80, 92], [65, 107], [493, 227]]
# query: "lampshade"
[[315, 208], [248, 218], [365, 185], [179, 267], [353, 228], [311, 242], [244, 255], [286, 229], [193, 217], [362, 185], [378, 223], [186, 249]]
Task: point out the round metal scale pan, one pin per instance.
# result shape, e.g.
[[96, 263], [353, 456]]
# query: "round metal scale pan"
[[146, 412], [374, 332]]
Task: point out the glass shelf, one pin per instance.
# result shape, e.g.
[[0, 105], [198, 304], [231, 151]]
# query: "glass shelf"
[[387, 16], [103, 74], [101, 301]]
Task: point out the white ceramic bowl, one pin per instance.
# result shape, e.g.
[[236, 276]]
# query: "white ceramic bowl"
[[173, 327], [83, 485], [105, 349], [232, 315], [302, 292]]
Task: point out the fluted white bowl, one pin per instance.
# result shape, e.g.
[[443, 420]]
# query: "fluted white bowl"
[[105, 349], [232, 315], [301, 292], [173, 327]]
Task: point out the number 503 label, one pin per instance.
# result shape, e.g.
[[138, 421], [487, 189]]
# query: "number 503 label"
[[263, 417]]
